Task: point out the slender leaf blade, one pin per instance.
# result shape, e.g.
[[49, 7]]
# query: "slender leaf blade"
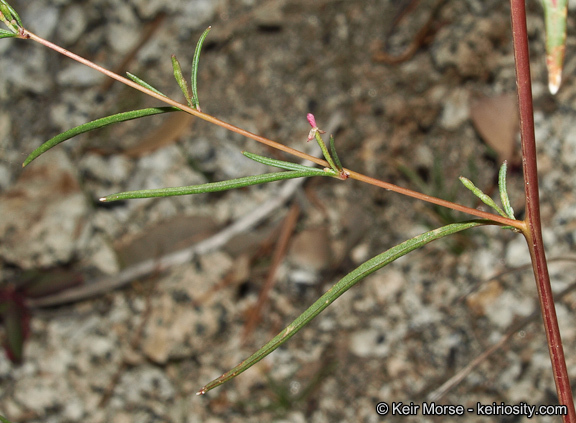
[[337, 290], [10, 12], [144, 84], [504, 191], [195, 62], [335, 154], [483, 197], [213, 186], [322, 145], [181, 81], [16, 321], [555, 12], [280, 163], [4, 33], [96, 124]]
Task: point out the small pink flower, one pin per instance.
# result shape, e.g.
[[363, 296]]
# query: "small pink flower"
[[311, 120]]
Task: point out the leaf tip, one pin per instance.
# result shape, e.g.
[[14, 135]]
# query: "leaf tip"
[[554, 82]]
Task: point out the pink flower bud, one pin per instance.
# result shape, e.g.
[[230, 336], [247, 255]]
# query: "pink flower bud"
[[311, 120], [314, 130]]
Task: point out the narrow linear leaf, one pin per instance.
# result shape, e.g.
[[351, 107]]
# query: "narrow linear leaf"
[[340, 288], [17, 327], [280, 163], [14, 14], [325, 153], [4, 419], [144, 84], [10, 13], [195, 62], [555, 12], [5, 11], [7, 34], [504, 191], [483, 197], [181, 81], [213, 186], [96, 124], [335, 154]]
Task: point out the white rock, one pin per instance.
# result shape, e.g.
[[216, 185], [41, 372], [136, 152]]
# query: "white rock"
[[41, 19], [456, 109], [26, 76], [72, 24], [517, 252], [369, 343], [78, 75], [506, 307], [51, 211]]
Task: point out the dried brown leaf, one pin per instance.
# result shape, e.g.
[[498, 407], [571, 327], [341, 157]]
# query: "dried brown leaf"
[[167, 133], [164, 238], [496, 120]]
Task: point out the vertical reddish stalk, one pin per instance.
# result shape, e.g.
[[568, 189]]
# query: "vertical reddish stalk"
[[533, 229]]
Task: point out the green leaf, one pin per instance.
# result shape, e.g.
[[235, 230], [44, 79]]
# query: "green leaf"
[[555, 12], [327, 156], [7, 34], [280, 163], [144, 84], [181, 81], [195, 61], [504, 191], [4, 419], [340, 288], [334, 154], [483, 197], [214, 186], [10, 13], [96, 124], [14, 14], [16, 323]]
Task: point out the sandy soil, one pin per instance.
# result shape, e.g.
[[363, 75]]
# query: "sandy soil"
[[139, 353]]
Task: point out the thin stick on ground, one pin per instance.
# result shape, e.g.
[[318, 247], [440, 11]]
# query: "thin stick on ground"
[[279, 253]]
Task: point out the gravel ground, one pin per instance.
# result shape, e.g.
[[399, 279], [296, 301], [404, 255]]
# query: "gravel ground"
[[139, 353]]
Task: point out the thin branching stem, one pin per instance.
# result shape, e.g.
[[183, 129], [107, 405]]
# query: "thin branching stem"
[[29, 35], [355, 175], [434, 200], [533, 229]]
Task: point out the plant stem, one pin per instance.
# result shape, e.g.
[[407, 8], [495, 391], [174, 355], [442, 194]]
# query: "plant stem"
[[533, 229], [25, 34], [519, 224]]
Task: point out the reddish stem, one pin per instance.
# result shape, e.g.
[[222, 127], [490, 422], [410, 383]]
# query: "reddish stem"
[[533, 228]]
